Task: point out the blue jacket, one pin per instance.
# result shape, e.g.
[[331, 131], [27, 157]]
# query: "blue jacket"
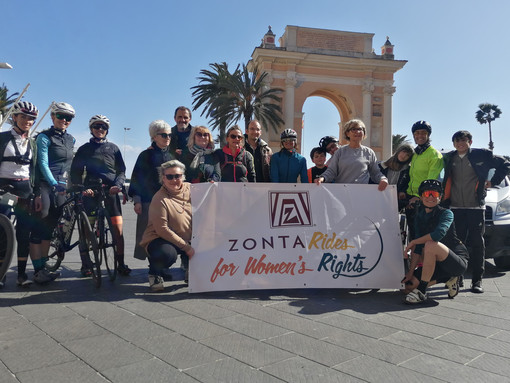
[[287, 166]]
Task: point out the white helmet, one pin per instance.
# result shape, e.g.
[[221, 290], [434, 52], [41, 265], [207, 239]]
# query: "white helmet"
[[99, 118], [26, 108], [64, 108]]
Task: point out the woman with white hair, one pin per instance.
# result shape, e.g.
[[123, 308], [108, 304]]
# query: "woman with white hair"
[[168, 232], [354, 163], [145, 177]]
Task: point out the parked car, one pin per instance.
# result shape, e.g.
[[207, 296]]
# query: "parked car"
[[497, 223]]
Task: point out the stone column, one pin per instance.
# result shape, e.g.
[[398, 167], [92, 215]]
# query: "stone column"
[[367, 89], [387, 128], [290, 83]]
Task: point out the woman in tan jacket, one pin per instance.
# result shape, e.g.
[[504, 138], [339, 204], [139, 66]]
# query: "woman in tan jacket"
[[168, 233]]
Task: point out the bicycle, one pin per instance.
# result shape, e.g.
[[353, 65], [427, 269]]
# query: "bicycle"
[[7, 237], [103, 226], [72, 212]]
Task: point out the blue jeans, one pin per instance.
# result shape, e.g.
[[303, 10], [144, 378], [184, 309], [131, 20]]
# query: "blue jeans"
[[162, 255]]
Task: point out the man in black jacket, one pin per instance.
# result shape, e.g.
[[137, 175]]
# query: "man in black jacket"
[[179, 134], [465, 183]]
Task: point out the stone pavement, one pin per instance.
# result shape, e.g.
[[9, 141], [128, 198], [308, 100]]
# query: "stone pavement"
[[69, 331]]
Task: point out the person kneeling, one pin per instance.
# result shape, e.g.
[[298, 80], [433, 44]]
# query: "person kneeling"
[[443, 257], [168, 233]]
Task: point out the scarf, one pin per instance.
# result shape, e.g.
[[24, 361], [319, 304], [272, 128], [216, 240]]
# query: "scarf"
[[421, 148], [199, 154]]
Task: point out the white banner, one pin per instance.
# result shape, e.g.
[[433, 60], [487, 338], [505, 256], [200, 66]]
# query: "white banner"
[[281, 236]]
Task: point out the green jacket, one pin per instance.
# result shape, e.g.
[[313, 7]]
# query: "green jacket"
[[425, 166]]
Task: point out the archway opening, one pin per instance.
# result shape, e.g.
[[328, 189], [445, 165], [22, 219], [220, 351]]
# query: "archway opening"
[[321, 118]]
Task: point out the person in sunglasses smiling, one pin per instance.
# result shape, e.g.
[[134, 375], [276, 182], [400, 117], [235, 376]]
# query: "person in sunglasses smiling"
[[145, 178], [168, 232], [236, 163], [437, 248]]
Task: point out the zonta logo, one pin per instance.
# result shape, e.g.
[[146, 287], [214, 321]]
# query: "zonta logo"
[[289, 209]]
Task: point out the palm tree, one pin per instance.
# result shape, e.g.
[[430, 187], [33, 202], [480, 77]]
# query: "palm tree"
[[397, 140], [227, 96], [5, 101], [487, 113]]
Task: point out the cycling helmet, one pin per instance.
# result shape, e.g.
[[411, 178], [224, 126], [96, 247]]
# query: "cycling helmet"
[[99, 118], [288, 133], [430, 185], [418, 125], [62, 107], [325, 141], [26, 108]]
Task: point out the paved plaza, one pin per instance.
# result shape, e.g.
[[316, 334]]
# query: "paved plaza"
[[69, 331]]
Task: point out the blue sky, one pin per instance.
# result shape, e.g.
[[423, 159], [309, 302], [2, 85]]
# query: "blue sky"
[[136, 61]]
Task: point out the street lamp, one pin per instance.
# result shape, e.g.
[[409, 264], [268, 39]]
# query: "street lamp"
[[125, 131], [5, 66]]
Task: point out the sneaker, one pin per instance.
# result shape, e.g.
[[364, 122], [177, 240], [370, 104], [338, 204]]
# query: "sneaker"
[[23, 280], [156, 283], [123, 270], [453, 287], [476, 287], [86, 272], [461, 281], [45, 276], [415, 296]]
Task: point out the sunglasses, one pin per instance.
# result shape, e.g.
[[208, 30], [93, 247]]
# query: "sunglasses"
[[203, 135], [235, 137], [289, 140], [430, 193], [63, 117], [164, 135], [100, 127], [356, 130], [170, 177]]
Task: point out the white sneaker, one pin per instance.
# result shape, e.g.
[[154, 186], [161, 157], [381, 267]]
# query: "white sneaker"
[[45, 276], [156, 283], [453, 287], [415, 296], [23, 280]]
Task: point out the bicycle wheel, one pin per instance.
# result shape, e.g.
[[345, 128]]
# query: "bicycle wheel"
[[56, 253], [61, 238], [90, 240], [107, 244], [6, 244]]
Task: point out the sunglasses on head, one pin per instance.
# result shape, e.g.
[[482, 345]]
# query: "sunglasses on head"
[[203, 135], [100, 127], [236, 137], [164, 135], [66, 117], [170, 177], [429, 193]]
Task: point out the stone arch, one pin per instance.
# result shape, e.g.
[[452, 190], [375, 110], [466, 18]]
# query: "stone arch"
[[337, 65]]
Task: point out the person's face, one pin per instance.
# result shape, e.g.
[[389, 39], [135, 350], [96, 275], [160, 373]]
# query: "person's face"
[[355, 134], [162, 139], [23, 122], [235, 139], [430, 198], [319, 159], [61, 121], [254, 131], [202, 138], [403, 156], [176, 176], [99, 130], [421, 136], [289, 143], [182, 119], [332, 148], [462, 145]]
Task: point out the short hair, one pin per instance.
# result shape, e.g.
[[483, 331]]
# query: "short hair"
[[235, 127], [168, 165], [158, 126], [352, 124], [191, 139], [462, 134], [254, 120], [182, 108], [317, 149]]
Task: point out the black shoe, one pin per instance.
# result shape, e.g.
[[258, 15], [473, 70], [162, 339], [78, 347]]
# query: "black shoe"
[[461, 281], [123, 270], [476, 287]]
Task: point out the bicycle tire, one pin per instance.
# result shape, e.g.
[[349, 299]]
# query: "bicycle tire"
[[90, 238], [107, 244], [7, 240], [62, 235]]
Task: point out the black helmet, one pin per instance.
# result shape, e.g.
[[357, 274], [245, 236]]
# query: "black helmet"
[[326, 140], [288, 133], [430, 185], [418, 125]]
